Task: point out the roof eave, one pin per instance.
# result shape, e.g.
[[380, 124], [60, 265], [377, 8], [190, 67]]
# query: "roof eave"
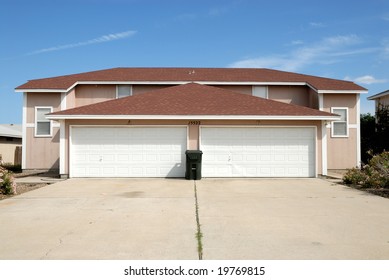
[[10, 135], [41, 90], [343, 91], [379, 95], [189, 117]]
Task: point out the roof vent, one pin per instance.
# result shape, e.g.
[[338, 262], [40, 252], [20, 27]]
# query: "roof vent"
[[191, 72]]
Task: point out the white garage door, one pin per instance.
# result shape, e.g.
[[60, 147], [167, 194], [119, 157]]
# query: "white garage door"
[[128, 152], [258, 152]]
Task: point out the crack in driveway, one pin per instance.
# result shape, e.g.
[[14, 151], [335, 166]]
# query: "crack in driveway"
[[199, 234]]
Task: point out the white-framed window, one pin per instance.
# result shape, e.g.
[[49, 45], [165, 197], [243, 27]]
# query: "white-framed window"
[[43, 126], [260, 91], [340, 127], [123, 91]]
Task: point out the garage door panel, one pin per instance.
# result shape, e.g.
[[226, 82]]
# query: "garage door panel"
[[93, 158], [123, 157], [266, 171], [128, 152], [108, 158], [295, 158], [108, 171], [258, 152], [94, 171], [123, 171], [237, 157], [265, 157]]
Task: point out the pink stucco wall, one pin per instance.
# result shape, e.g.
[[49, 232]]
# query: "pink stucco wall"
[[238, 88], [71, 99], [88, 94], [34, 99], [342, 152], [313, 99], [298, 95], [342, 100], [41, 152], [139, 89]]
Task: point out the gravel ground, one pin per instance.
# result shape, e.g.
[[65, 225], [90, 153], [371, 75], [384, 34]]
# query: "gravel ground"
[[24, 187], [380, 192]]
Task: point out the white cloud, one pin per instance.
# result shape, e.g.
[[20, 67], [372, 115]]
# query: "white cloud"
[[326, 51], [317, 24], [297, 42], [101, 39], [277, 62], [356, 51], [367, 80]]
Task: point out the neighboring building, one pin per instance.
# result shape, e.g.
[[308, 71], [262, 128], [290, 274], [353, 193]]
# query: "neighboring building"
[[138, 122], [380, 98], [10, 143]]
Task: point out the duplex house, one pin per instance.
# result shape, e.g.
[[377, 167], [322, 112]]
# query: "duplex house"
[[138, 122], [380, 98], [10, 143]]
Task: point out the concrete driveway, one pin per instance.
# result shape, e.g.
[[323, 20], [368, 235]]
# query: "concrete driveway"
[[156, 219], [101, 219]]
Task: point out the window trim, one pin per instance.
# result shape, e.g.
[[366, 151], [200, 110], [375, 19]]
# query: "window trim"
[[117, 89], [333, 122], [49, 121]]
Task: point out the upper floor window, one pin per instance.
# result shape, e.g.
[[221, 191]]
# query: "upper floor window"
[[260, 91], [123, 91], [43, 126], [340, 127]]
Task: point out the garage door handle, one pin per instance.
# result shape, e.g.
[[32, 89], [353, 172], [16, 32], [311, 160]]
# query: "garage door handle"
[[229, 158], [101, 158]]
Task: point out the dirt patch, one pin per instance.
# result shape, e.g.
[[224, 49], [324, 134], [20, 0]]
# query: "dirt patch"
[[27, 173], [380, 192], [24, 187]]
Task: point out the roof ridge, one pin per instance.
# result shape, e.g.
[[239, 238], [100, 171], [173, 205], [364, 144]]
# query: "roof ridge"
[[185, 74]]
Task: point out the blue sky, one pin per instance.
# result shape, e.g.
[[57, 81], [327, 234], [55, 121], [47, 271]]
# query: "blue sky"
[[340, 39]]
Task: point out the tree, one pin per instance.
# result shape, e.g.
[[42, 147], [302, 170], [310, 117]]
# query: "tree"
[[368, 136], [374, 133], [382, 127]]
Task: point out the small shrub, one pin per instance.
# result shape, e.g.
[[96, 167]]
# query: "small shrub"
[[378, 171], [375, 174], [354, 176], [7, 182]]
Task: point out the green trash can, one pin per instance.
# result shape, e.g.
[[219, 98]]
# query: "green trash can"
[[193, 164]]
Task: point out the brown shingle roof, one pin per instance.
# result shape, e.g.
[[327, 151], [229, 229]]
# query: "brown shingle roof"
[[192, 99], [189, 75]]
